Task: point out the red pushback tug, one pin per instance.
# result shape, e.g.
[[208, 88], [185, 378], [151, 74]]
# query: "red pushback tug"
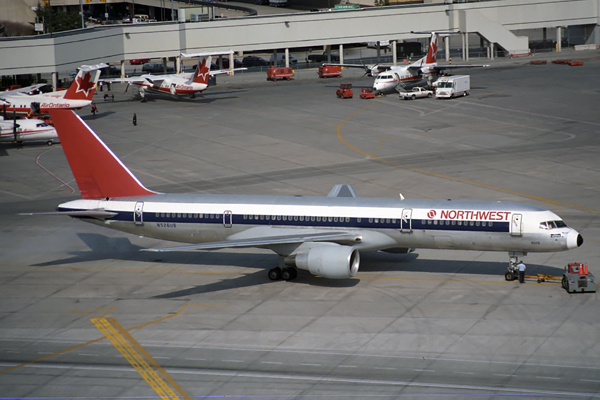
[[344, 91], [577, 278]]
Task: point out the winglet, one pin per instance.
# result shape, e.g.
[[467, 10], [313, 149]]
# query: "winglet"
[[202, 70], [97, 170]]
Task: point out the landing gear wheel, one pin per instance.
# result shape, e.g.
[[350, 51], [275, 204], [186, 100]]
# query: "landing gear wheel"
[[275, 274], [509, 276], [287, 274]]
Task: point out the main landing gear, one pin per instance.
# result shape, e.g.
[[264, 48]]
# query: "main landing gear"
[[286, 273]]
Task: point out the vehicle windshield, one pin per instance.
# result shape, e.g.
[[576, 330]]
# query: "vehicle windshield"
[[445, 85]]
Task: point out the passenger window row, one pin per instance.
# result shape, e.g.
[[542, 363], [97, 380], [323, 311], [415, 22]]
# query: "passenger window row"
[[457, 223]]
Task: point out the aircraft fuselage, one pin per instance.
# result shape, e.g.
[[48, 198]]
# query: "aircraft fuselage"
[[378, 223]]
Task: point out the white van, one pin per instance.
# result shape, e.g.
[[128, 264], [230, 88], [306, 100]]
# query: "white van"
[[452, 86], [281, 59]]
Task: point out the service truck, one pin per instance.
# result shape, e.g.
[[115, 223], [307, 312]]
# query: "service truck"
[[416, 93], [453, 86]]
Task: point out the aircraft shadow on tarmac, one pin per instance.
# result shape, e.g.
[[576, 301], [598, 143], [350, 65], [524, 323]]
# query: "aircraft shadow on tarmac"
[[120, 248]]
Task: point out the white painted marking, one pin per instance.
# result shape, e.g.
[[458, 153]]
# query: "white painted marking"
[[547, 377], [347, 366], [88, 355], [589, 380], [196, 359], [311, 365], [236, 361], [166, 358], [465, 373], [423, 370], [272, 362], [388, 368], [503, 375]]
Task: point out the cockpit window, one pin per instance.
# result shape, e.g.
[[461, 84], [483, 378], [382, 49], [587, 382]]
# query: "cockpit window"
[[552, 225]]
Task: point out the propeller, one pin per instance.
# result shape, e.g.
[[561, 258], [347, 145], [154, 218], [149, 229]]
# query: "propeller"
[[14, 124]]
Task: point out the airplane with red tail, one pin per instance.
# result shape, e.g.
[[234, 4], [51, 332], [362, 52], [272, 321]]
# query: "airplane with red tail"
[[390, 77], [80, 94], [184, 84], [323, 235]]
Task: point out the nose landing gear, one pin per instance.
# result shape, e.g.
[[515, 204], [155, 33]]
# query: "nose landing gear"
[[513, 270]]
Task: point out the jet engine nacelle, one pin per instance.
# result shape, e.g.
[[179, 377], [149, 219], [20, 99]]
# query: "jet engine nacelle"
[[330, 261]]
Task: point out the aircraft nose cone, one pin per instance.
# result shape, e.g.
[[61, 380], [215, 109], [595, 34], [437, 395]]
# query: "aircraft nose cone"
[[574, 239]]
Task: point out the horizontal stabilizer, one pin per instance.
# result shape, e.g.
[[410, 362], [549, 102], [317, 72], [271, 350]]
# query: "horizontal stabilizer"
[[100, 214], [334, 237], [342, 191]]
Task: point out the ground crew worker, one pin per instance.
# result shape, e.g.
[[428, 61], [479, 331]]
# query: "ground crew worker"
[[134, 119], [522, 268]]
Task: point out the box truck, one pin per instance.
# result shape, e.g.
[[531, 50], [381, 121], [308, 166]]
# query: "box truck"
[[453, 86]]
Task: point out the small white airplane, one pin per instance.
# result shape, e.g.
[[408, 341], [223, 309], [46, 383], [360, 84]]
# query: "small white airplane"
[[27, 130], [323, 235], [388, 77], [78, 95], [184, 84]]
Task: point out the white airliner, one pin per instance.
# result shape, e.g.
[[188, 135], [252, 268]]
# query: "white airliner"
[[323, 235], [27, 130], [388, 77], [184, 84], [79, 94]]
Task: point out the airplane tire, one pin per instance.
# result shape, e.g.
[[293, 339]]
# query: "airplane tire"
[[287, 274], [49, 142], [509, 276], [275, 274]]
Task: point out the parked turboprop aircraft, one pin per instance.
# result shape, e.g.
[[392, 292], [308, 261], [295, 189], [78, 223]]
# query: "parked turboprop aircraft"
[[323, 235], [79, 94], [184, 84], [387, 77], [27, 130]]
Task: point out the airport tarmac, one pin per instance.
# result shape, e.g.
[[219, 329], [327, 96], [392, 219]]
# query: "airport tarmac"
[[85, 314]]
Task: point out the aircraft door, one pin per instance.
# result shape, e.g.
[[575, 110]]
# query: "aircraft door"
[[227, 219], [515, 225], [406, 221], [138, 213]]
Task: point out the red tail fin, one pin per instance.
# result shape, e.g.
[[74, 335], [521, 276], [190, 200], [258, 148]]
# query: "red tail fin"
[[202, 70], [97, 170], [83, 87], [433, 48]]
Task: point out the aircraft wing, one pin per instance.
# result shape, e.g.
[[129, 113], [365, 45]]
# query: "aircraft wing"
[[133, 79], [26, 90], [443, 67], [265, 241], [225, 71]]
